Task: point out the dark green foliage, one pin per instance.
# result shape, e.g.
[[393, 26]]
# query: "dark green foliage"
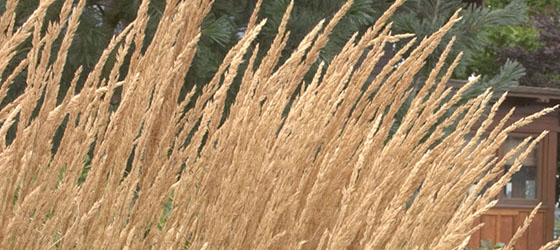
[[85, 170], [488, 245], [423, 17], [227, 21], [58, 135], [60, 176], [543, 66], [534, 44], [167, 209], [509, 72], [101, 19], [306, 14]]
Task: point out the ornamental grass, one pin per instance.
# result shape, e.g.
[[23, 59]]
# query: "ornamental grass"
[[298, 162]]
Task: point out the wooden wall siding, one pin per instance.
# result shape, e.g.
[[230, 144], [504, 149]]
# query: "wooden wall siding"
[[500, 226]]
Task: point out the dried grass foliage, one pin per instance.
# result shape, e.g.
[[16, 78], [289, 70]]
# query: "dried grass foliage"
[[327, 176]]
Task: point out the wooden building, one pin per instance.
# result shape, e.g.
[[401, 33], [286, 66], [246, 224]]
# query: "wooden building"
[[535, 182]]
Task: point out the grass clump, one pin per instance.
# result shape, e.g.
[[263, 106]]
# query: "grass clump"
[[333, 172]]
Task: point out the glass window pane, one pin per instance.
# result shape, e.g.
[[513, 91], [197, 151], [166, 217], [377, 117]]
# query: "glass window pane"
[[524, 183], [511, 143]]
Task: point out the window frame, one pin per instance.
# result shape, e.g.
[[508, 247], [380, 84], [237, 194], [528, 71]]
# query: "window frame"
[[520, 202]]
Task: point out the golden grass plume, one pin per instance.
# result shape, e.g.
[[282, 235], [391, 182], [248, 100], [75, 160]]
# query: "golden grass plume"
[[331, 174]]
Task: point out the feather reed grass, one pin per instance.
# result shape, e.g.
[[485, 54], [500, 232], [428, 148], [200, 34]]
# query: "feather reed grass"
[[328, 175]]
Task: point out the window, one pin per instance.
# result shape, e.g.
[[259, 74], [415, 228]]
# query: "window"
[[524, 183], [523, 187]]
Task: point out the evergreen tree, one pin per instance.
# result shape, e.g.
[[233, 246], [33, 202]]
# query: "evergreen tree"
[[221, 29], [226, 22], [423, 17], [101, 19], [534, 43]]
